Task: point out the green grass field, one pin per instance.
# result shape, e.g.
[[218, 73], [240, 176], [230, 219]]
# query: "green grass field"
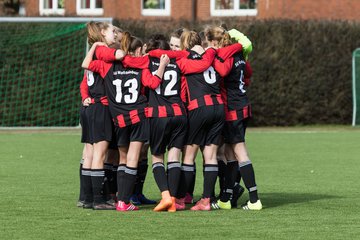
[[308, 181]]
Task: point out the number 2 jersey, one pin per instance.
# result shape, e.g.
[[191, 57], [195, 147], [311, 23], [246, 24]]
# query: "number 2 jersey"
[[124, 88], [165, 100]]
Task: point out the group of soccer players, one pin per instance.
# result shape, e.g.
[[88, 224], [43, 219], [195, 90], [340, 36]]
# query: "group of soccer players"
[[174, 98]]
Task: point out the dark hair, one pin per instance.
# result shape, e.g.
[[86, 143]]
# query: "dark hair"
[[130, 43], [158, 36], [177, 33], [157, 41]]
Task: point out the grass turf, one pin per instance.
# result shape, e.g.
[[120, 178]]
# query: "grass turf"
[[308, 181]]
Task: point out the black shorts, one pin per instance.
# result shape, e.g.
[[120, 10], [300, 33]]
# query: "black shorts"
[[234, 131], [85, 129], [100, 123], [138, 132], [206, 125], [113, 142], [167, 132]]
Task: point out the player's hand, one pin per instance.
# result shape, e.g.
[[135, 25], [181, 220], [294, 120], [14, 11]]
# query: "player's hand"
[[87, 102], [164, 59]]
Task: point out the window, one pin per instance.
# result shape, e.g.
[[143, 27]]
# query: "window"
[[233, 7], [52, 7], [89, 7], [155, 7]]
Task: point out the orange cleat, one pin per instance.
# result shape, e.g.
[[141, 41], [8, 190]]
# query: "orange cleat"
[[172, 208], [165, 203]]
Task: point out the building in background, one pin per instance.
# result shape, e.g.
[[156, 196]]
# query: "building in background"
[[186, 9]]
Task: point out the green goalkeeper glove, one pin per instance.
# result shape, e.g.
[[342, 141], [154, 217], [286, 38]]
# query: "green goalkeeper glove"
[[243, 40]]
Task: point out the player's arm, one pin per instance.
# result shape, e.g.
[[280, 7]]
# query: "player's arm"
[[84, 91], [243, 40], [90, 54], [108, 54], [223, 67], [189, 66], [153, 81], [228, 51], [171, 53], [136, 62]]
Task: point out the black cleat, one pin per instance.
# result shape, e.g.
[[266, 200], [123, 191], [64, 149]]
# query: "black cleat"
[[103, 206], [238, 190]]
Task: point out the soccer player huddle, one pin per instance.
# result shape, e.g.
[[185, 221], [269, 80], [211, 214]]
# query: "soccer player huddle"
[[175, 97]]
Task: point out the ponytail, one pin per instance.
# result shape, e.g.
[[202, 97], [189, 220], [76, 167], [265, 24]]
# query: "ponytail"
[[189, 39]]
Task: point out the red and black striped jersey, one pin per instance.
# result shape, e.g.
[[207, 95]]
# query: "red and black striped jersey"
[[197, 70], [95, 87], [203, 89], [233, 89], [165, 100], [123, 87]]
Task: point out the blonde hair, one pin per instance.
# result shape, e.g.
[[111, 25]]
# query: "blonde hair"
[[94, 31], [189, 39], [218, 34]]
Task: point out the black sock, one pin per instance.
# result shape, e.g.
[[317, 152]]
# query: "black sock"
[[248, 176], [141, 175], [173, 177], [192, 183], [238, 176], [120, 181], [160, 176], [88, 193], [210, 175], [129, 183], [82, 195], [113, 180], [221, 175], [186, 179], [106, 183], [97, 179], [230, 176]]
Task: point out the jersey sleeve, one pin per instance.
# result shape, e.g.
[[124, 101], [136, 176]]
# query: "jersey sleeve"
[[223, 68], [149, 80], [247, 74], [100, 67], [183, 93], [171, 53], [189, 66], [105, 53], [226, 52], [84, 89], [136, 62]]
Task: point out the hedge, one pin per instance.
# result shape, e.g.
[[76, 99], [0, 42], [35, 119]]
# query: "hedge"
[[302, 69]]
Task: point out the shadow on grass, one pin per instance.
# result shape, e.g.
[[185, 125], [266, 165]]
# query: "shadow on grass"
[[272, 200]]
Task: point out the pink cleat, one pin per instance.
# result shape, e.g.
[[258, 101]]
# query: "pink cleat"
[[202, 205], [189, 199], [180, 203], [123, 207]]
